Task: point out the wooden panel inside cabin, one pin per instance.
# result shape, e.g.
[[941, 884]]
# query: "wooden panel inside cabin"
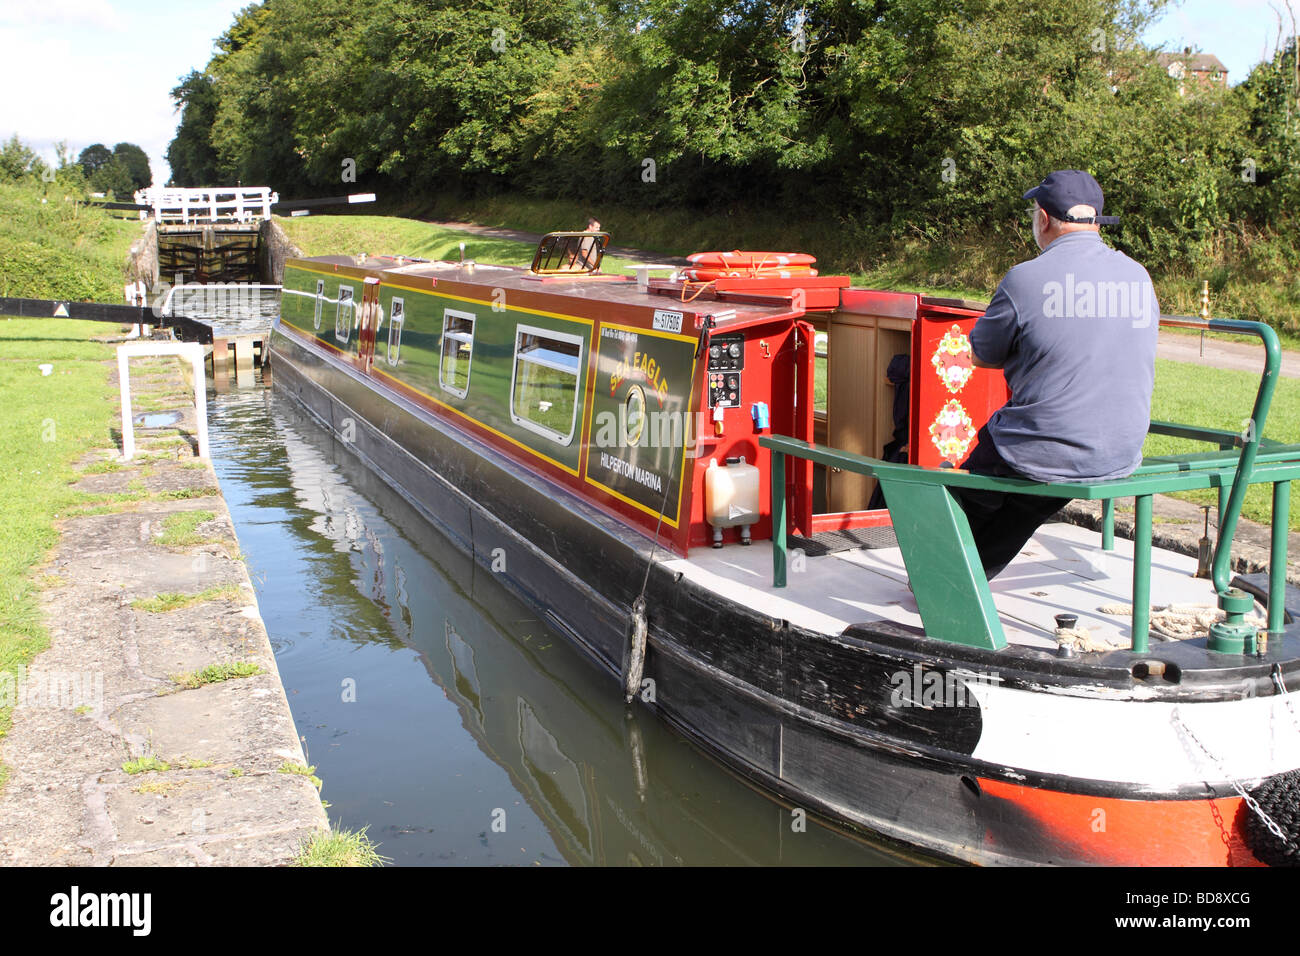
[[859, 396]]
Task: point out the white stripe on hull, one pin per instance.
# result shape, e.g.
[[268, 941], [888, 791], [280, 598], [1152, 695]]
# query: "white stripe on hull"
[[1138, 742]]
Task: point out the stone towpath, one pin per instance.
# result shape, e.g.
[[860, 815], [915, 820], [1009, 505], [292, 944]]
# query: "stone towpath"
[[102, 712]]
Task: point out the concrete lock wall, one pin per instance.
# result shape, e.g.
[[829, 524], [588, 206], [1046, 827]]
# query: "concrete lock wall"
[[239, 344], [273, 249], [142, 260]]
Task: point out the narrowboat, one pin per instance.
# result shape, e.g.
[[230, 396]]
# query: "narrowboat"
[[729, 487]]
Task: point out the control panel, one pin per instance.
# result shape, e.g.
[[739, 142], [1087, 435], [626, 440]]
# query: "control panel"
[[726, 362]]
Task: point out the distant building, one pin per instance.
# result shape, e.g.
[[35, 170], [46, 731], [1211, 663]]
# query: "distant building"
[[1203, 68]]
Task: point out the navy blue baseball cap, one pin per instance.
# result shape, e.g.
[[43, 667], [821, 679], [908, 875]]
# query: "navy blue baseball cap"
[[1067, 188]]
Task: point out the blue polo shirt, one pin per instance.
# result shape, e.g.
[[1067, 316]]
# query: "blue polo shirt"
[[1074, 331]]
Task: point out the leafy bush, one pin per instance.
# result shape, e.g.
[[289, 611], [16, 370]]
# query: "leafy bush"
[[54, 246]]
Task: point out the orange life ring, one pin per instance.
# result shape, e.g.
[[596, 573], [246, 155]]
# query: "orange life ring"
[[751, 260], [709, 275]]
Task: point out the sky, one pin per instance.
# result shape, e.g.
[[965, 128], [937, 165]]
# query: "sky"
[[101, 71], [1241, 33]]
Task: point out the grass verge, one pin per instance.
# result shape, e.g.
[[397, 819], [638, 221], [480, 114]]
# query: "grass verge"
[[54, 248], [149, 764], [49, 422], [301, 770], [215, 673], [1251, 276], [389, 235], [340, 848], [1220, 398], [174, 600], [179, 530]]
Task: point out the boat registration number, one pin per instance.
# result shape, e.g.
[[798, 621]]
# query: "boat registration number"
[[665, 321]]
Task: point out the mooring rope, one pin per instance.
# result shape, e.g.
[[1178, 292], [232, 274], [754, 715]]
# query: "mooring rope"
[[1178, 622], [1081, 640]]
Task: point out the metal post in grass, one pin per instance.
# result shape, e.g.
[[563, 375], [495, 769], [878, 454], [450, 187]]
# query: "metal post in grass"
[[191, 350]]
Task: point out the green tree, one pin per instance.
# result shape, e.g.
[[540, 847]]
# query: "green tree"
[[17, 160], [94, 158], [191, 155], [114, 180], [68, 172], [212, 147], [724, 81], [136, 162], [1272, 96], [892, 117]]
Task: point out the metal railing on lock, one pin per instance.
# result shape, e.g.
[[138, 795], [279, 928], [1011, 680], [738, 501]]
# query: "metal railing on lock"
[[239, 204]]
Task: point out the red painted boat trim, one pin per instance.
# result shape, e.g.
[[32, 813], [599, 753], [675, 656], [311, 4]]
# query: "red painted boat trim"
[[1117, 832], [848, 520]]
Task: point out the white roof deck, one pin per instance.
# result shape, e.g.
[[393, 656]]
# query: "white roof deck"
[[1062, 570]]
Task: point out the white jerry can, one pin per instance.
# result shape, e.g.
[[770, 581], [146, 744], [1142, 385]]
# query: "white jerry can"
[[730, 497]]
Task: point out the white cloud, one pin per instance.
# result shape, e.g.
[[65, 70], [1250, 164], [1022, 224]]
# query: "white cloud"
[[89, 14]]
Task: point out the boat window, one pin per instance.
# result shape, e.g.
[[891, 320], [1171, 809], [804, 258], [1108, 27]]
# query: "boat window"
[[343, 314], [544, 386], [320, 302], [397, 318], [457, 351]]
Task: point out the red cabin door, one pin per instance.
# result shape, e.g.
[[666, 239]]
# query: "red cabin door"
[[951, 398]]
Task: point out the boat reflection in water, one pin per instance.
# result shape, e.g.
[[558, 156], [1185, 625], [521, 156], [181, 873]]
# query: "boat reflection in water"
[[528, 754]]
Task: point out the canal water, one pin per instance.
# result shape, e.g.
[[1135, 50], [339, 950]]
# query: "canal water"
[[438, 711], [231, 309]]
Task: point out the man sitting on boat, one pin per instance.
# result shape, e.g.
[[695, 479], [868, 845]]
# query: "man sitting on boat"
[[1074, 332]]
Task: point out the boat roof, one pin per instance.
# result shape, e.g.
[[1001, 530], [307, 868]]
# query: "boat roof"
[[727, 309]]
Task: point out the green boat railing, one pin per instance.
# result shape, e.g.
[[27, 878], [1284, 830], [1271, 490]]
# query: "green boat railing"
[[943, 566]]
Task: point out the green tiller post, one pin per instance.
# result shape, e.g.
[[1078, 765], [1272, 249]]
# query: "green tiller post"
[[1277, 557], [1233, 635], [1141, 573], [1223, 499], [778, 519]]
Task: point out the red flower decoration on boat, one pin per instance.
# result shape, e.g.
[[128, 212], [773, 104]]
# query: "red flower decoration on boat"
[[952, 432], [953, 359]]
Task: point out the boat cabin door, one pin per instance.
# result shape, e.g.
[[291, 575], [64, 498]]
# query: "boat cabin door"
[[370, 319]]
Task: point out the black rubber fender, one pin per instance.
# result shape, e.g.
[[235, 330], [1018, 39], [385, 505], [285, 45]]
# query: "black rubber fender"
[[1279, 797]]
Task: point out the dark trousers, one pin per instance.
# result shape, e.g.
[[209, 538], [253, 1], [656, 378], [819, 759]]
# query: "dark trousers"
[[1001, 523]]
